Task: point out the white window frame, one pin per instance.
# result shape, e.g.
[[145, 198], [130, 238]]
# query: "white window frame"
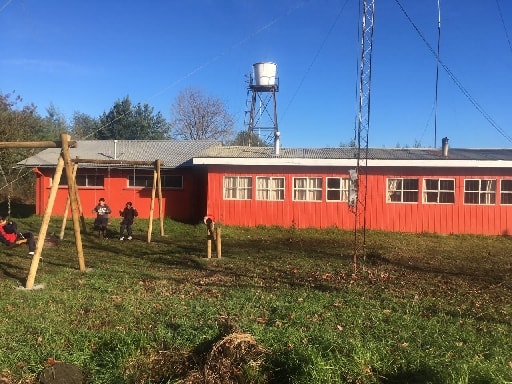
[[270, 188], [507, 193], [237, 188], [397, 192], [484, 195], [307, 189], [342, 191], [439, 195]]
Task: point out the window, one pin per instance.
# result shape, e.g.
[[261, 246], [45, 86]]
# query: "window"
[[402, 191], [506, 191], [440, 191], [269, 188], [146, 181], [337, 189], [84, 180], [479, 191], [238, 187], [307, 189]]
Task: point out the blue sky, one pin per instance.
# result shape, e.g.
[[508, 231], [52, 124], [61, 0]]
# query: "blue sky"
[[85, 55]]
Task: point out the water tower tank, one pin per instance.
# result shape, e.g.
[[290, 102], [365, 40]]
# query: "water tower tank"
[[265, 74]]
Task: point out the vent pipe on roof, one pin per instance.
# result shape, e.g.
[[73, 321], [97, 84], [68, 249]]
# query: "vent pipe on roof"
[[277, 143], [445, 146], [115, 149]]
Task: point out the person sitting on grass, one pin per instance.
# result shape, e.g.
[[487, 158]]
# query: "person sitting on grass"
[[9, 235], [128, 214]]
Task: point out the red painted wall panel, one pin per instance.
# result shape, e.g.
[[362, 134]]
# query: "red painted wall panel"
[[203, 194], [380, 214], [187, 204]]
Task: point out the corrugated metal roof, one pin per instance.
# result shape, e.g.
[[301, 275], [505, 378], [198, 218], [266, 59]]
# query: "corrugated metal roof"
[[172, 153], [179, 153], [351, 153]]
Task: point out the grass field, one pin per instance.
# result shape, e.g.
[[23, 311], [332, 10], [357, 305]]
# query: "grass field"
[[420, 309]]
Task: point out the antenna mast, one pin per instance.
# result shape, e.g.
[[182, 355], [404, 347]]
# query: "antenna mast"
[[363, 125]]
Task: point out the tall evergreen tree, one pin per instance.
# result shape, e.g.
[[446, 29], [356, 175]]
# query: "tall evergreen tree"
[[125, 121]]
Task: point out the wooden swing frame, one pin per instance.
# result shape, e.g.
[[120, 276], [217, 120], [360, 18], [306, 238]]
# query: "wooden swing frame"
[[65, 163]]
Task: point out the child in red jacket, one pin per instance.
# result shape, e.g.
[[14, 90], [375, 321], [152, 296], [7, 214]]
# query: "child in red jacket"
[[9, 235]]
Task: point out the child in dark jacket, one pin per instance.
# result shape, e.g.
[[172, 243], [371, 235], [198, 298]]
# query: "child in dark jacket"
[[128, 214], [9, 235], [102, 211]]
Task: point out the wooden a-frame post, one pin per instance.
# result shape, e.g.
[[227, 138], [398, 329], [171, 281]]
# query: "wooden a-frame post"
[[160, 200], [157, 183], [72, 192], [44, 224], [64, 144], [68, 204]]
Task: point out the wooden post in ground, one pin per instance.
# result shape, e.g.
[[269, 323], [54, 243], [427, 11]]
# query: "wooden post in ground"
[[160, 199], [44, 225], [212, 235], [218, 242], [72, 191], [66, 209], [152, 204]]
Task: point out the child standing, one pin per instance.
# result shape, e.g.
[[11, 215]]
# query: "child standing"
[[102, 211], [128, 214]]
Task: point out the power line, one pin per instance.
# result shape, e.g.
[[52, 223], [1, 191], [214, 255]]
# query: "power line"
[[315, 57], [464, 91], [504, 25], [213, 59]]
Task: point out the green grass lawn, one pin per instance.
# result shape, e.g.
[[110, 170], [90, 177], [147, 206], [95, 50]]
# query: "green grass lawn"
[[420, 309]]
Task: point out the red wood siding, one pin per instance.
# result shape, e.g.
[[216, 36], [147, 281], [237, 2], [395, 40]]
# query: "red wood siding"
[[187, 204], [495, 219]]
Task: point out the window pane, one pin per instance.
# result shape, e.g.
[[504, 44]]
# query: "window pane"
[[506, 191], [403, 190], [238, 187], [172, 181], [447, 197], [472, 185], [480, 191], [447, 185]]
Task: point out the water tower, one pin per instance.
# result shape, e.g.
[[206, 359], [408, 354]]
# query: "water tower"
[[263, 85]]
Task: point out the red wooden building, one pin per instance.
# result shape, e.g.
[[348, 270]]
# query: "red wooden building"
[[407, 189], [183, 185]]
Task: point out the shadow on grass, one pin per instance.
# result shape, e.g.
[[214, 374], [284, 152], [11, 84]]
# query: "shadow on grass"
[[6, 269], [422, 375]]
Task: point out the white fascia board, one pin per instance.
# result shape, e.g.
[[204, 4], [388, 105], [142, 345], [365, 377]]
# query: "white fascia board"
[[352, 162]]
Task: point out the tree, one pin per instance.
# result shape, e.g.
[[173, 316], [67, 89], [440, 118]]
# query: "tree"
[[53, 125], [17, 123], [125, 121], [196, 116], [247, 139], [84, 126]]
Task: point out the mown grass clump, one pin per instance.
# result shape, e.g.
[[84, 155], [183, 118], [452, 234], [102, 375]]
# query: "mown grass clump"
[[420, 308]]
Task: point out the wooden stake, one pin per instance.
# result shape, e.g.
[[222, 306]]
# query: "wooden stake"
[[152, 204], [218, 242], [44, 225], [72, 195], [160, 199]]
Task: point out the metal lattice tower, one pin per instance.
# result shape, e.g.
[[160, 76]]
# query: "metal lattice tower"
[[263, 86], [363, 124]]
